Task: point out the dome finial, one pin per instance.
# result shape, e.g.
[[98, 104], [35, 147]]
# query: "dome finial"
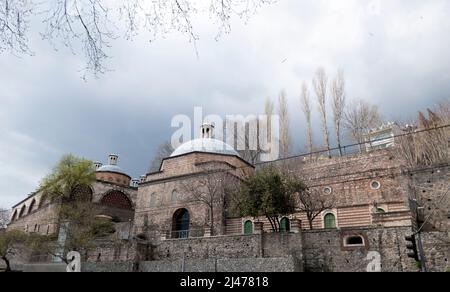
[[207, 131]]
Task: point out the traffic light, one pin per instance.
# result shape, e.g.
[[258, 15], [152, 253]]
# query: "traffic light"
[[412, 247]]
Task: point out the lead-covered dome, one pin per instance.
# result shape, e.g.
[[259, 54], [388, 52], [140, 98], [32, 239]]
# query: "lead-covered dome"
[[111, 166], [205, 144]]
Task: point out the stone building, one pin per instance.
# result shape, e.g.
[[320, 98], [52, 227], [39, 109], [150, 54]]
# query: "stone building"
[[179, 216], [180, 199], [113, 194]]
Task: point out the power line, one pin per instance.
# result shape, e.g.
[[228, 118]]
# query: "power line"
[[353, 145], [316, 152]]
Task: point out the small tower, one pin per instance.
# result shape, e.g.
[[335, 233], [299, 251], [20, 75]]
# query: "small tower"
[[207, 131], [135, 182], [113, 159], [98, 164]]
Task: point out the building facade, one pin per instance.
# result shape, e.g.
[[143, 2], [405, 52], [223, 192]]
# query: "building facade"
[[184, 209]]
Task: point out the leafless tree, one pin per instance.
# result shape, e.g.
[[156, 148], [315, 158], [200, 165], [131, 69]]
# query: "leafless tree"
[[90, 26], [285, 138], [359, 118], [251, 153], [4, 217], [320, 82], [338, 105], [210, 189], [14, 25], [305, 102], [269, 110], [313, 202], [164, 150]]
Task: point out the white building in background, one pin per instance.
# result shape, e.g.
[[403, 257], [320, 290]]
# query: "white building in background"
[[381, 137]]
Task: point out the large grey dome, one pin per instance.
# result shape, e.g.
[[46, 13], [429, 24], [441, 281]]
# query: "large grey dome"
[[205, 145]]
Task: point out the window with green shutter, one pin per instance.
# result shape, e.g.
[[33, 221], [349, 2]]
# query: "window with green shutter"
[[285, 225], [330, 221], [248, 227]]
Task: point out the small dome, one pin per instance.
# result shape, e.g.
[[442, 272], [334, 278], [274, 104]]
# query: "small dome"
[[205, 145], [111, 168]]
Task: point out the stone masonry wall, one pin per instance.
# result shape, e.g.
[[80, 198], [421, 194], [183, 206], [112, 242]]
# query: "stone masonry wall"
[[324, 250], [268, 245]]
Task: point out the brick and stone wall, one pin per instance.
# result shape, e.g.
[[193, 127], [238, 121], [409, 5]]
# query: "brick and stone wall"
[[41, 220]]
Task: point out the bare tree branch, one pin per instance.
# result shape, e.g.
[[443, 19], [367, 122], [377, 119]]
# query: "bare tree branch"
[[14, 25], [285, 138], [338, 105], [359, 118], [320, 82], [305, 102], [89, 26]]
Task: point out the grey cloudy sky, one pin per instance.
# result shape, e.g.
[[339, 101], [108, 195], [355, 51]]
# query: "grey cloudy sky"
[[394, 54]]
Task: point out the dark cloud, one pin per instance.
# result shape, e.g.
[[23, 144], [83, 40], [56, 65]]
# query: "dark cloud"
[[393, 53]]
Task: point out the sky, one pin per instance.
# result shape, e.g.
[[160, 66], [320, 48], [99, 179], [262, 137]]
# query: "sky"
[[394, 54]]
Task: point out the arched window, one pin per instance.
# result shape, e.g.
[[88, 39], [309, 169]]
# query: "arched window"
[[83, 194], [153, 200], [248, 227], [354, 240], [22, 211], [44, 200], [118, 200], [14, 216], [285, 225], [145, 220], [30, 209], [174, 197], [180, 224], [380, 211], [329, 221]]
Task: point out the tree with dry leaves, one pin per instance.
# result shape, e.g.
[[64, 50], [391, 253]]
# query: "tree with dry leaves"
[[90, 26], [320, 82], [305, 102], [426, 142], [338, 105], [359, 118]]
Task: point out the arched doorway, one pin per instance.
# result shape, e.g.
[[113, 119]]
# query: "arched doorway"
[[180, 224]]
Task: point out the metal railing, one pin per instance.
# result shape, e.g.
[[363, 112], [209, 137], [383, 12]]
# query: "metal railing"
[[184, 234]]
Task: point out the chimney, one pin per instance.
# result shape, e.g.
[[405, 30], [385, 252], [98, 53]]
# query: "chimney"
[[113, 159], [135, 182], [98, 164], [206, 131]]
